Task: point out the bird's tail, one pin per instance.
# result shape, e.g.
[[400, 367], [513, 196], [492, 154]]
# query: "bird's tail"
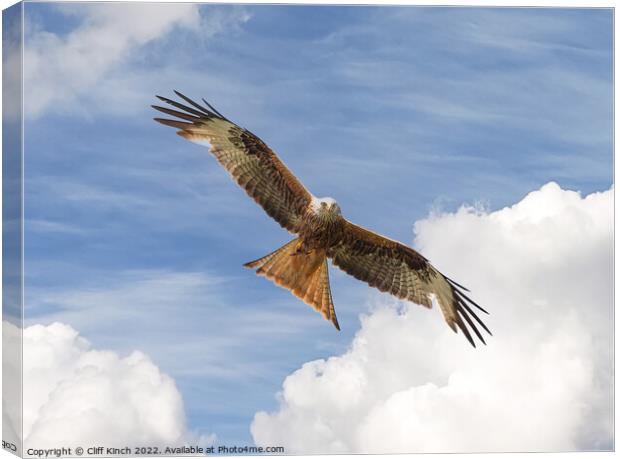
[[304, 274]]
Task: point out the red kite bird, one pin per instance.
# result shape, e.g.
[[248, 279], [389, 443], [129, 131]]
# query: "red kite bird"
[[322, 232]]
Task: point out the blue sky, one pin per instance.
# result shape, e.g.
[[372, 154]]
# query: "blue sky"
[[136, 237]]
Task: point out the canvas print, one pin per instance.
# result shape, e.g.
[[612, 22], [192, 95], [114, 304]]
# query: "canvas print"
[[306, 229]]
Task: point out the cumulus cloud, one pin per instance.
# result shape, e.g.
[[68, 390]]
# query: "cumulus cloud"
[[74, 393], [11, 384], [60, 68], [543, 268]]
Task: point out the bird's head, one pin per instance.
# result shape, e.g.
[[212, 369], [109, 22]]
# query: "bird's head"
[[326, 207]]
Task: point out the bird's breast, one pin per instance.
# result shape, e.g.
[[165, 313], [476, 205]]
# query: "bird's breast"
[[320, 232]]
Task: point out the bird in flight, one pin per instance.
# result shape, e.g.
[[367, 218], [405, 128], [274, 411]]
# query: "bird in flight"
[[322, 232]]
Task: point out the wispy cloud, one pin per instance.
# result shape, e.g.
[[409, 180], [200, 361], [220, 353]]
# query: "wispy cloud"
[[63, 70], [193, 306], [12, 64], [505, 70], [47, 226]]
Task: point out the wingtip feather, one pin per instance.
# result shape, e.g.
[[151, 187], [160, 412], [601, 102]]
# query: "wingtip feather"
[[464, 315], [463, 328], [173, 123]]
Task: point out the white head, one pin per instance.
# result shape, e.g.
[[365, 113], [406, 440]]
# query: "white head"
[[325, 207]]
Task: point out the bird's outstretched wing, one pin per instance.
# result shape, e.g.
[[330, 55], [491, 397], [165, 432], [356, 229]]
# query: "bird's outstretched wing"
[[397, 269], [250, 162]]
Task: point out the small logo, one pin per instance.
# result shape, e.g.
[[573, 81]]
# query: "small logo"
[[8, 445]]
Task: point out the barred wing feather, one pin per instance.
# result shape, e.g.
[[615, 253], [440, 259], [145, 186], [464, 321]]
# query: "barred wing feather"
[[250, 162], [399, 270]]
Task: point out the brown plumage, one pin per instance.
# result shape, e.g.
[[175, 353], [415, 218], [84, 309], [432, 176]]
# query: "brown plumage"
[[301, 265]]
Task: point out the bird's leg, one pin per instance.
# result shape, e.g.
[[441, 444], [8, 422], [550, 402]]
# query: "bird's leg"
[[298, 248], [301, 249]]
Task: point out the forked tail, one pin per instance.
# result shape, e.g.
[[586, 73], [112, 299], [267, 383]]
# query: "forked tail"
[[305, 275]]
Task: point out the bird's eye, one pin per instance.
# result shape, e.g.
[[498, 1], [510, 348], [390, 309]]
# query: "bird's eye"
[[323, 204]]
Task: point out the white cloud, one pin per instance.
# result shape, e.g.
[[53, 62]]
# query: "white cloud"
[[73, 394], [543, 268], [61, 68], [12, 65], [11, 384]]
